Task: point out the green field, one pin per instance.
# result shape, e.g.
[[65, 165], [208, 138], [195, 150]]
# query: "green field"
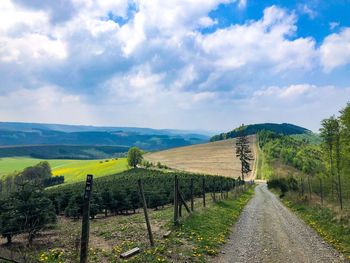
[[72, 170]]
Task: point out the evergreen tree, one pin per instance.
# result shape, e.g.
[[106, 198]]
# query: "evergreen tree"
[[243, 152], [8, 224], [33, 210]]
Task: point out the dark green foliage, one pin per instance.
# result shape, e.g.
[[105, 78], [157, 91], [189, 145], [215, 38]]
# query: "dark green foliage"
[[284, 129], [119, 193], [28, 210], [283, 184], [298, 153], [53, 180], [8, 224], [82, 152], [134, 157], [243, 152]]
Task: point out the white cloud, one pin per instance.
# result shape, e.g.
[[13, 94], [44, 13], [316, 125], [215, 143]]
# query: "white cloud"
[[335, 50], [261, 42], [149, 63], [333, 25], [303, 104], [292, 91], [46, 104], [242, 4]]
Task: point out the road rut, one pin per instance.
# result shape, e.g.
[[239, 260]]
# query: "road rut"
[[268, 232]]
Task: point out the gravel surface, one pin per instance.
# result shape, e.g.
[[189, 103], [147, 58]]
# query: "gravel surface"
[[268, 232]]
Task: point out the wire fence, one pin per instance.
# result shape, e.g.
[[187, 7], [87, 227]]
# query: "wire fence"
[[145, 193]]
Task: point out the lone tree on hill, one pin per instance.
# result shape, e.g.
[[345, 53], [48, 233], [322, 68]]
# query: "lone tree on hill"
[[243, 151], [134, 156]]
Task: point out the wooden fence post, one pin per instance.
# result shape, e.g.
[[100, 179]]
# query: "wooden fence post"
[[142, 194], [203, 191], [182, 199], [178, 198], [321, 190], [214, 194], [221, 192], [192, 203], [86, 220], [176, 201]]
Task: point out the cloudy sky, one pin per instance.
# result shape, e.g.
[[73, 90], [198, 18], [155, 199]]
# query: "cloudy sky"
[[188, 64]]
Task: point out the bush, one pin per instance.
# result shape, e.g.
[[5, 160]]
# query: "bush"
[[283, 184]]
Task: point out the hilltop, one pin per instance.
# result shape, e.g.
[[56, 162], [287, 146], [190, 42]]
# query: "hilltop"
[[283, 128]]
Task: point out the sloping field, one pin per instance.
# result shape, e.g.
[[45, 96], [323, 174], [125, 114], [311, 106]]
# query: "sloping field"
[[216, 158], [72, 170]]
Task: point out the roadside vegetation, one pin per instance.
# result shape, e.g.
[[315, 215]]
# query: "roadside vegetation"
[[313, 178]]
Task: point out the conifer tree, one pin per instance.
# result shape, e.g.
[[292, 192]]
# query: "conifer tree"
[[243, 151]]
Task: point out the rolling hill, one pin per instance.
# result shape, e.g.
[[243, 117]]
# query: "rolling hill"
[[284, 128], [86, 142], [215, 158]]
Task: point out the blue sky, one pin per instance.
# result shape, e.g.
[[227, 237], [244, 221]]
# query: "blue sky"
[[185, 64]]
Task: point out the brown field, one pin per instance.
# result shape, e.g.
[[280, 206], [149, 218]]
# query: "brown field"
[[215, 158]]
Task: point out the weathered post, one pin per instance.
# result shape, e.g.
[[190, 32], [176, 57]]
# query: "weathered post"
[[214, 194], [221, 192], [192, 203], [86, 220], [321, 191], [143, 199], [203, 191], [176, 201], [178, 198], [182, 200]]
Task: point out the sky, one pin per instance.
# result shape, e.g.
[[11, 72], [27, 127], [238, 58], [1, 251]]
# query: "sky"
[[185, 64]]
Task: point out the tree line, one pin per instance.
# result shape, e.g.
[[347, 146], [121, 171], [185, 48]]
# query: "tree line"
[[324, 167]]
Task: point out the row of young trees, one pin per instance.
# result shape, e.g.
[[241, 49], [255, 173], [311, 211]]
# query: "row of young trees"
[[30, 209], [119, 194], [326, 166]]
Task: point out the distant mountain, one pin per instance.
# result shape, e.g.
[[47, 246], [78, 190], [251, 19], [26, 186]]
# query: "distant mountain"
[[284, 128], [63, 151], [14, 134]]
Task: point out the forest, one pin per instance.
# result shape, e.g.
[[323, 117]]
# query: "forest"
[[323, 169]]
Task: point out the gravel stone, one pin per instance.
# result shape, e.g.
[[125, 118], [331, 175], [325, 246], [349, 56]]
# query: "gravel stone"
[[267, 231]]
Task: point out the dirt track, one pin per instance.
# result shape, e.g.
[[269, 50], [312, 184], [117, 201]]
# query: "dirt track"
[[268, 232]]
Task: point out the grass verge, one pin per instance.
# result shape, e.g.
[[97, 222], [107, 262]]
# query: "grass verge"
[[208, 231], [325, 222]]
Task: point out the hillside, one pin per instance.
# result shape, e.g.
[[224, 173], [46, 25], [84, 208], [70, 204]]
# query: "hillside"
[[82, 152], [216, 158], [24, 134], [72, 170], [284, 128]]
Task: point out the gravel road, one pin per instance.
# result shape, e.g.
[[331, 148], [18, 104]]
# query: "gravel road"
[[268, 232]]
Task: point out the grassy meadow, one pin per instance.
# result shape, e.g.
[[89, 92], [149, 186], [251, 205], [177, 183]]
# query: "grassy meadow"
[[72, 170]]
